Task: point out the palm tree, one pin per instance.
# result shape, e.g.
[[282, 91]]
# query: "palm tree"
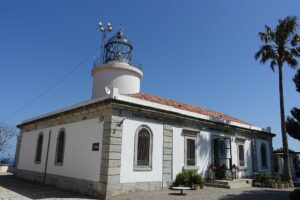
[[293, 121], [280, 46]]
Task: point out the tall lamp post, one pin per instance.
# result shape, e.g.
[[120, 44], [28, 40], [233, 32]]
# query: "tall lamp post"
[[104, 31]]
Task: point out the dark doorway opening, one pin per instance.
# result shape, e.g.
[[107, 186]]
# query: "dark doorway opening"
[[223, 158]]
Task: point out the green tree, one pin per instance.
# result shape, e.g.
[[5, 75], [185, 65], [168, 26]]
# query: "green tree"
[[293, 121], [280, 46]]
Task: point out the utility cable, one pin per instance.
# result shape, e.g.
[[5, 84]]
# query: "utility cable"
[[51, 87]]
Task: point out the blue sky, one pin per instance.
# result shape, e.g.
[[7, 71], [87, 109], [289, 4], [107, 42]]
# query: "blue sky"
[[198, 52]]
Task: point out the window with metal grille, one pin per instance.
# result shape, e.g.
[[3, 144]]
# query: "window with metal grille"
[[190, 152], [60, 147], [39, 148], [143, 148], [241, 155]]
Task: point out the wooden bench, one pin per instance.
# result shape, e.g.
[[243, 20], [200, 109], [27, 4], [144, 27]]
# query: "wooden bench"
[[181, 189]]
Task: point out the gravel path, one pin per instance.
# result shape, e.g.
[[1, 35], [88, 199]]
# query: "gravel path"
[[210, 193]]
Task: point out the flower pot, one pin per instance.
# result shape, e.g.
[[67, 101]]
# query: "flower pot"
[[202, 186], [274, 185], [286, 185], [279, 185], [3, 168], [196, 187]]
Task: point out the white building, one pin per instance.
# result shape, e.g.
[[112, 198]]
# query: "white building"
[[123, 140]]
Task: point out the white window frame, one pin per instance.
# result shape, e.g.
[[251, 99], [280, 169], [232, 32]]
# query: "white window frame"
[[191, 135], [238, 156]]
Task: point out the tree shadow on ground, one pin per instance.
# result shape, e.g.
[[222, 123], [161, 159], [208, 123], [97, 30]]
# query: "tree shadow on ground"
[[32, 190], [259, 194]]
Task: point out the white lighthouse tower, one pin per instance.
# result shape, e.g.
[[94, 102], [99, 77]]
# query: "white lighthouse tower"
[[115, 68]]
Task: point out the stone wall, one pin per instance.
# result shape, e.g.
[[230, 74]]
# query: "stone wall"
[[68, 183], [167, 155], [111, 154]]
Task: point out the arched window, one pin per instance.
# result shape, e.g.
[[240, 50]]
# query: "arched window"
[[60, 147], [143, 148], [263, 152], [39, 148]]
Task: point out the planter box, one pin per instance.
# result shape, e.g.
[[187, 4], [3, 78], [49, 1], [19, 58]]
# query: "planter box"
[[3, 168]]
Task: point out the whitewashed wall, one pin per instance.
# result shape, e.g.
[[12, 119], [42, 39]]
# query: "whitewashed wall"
[[79, 159], [203, 151], [127, 157], [258, 146], [248, 169]]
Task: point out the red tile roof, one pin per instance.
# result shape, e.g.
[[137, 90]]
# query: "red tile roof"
[[183, 106]]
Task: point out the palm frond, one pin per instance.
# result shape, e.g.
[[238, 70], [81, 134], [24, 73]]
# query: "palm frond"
[[273, 64], [295, 40], [285, 29], [296, 80], [267, 53], [295, 51], [288, 57]]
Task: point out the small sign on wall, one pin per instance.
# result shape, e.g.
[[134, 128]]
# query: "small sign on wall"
[[95, 147]]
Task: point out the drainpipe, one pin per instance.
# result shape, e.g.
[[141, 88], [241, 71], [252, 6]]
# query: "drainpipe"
[[46, 164]]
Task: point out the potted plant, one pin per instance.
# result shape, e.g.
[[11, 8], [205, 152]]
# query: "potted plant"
[[212, 169], [256, 180], [202, 185], [273, 184], [286, 184], [280, 185], [265, 179], [199, 182], [235, 169], [3, 166]]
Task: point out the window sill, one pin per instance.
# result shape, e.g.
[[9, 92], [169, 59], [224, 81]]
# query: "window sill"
[[142, 168], [59, 164], [191, 168], [243, 168]]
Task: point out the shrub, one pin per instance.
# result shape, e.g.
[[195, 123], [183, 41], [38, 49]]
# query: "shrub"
[[257, 177], [276, 177], [295, 195], [263, 178], [188, 178], [199, 180], [182, 179]]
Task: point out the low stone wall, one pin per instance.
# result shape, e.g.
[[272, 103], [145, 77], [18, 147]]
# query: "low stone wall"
[[81, 186], [85, 187], [141, 186], [30, 175]]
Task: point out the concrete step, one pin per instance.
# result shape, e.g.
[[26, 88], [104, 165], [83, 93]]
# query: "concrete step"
[[236, 183]]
